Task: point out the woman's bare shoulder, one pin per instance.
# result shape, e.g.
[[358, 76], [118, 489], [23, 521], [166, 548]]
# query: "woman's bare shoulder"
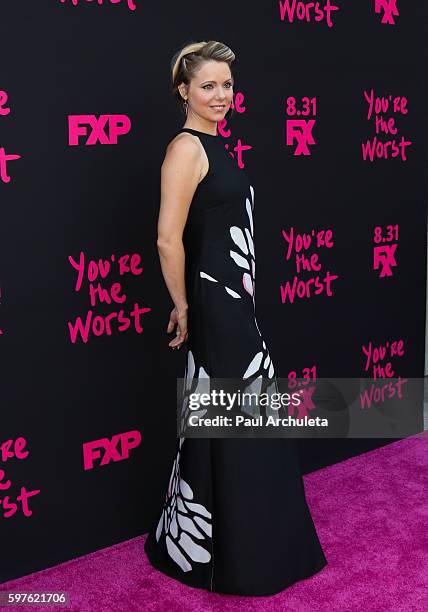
[[182, 149], [184, 141]]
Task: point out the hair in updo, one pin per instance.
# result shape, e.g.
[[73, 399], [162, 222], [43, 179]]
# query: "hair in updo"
[[186, 62]]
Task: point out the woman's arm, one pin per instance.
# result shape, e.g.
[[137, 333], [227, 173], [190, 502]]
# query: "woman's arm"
[[180, 174]]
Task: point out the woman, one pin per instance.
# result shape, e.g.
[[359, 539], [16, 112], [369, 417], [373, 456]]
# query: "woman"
[[235, 518]]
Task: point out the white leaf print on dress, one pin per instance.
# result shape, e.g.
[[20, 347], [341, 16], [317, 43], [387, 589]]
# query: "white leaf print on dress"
[[260, 365], [255, 366], [243, 238], [183, 521], [238, 238], [241, 261]]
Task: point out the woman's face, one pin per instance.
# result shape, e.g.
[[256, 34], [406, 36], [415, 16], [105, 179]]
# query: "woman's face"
[[210, 93]]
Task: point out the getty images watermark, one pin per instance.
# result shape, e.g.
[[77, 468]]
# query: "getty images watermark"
[[322, 408]]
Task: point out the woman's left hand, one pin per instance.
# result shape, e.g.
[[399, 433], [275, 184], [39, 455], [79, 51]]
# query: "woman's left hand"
[[179, 319]]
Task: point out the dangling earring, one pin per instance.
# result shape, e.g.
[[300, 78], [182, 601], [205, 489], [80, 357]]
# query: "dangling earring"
[[185, 106]]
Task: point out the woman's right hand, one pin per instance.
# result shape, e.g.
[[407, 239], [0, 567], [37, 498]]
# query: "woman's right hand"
[[178, 318]]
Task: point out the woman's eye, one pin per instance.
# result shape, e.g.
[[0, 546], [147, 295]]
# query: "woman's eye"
[[209, 85]]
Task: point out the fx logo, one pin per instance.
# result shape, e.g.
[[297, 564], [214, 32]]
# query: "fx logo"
[[304, 405], [384, 256], [80, 125], [301, 131], [389, 8], [108, 449]]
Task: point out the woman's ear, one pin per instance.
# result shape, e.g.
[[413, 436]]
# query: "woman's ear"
[[183, 90]]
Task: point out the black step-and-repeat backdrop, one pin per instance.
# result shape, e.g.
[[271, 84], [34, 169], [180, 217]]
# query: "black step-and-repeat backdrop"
[[329, 123]]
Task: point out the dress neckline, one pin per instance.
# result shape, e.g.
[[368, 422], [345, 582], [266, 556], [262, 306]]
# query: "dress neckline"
[[199, 132]]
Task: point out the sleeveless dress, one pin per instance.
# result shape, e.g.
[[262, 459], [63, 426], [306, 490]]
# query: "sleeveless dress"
[[235, 518]]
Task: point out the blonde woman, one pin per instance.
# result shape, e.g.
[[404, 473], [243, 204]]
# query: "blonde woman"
[[235, 518]]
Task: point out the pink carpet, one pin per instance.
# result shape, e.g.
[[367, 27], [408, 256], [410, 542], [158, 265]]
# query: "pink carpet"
[[371, 514]]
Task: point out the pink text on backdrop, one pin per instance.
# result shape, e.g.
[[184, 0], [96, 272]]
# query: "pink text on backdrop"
[[378, 107], [375, 355], [1, 295], [4, 110], [383, 257], [130, 3], [379, 394], [14, 449], [93, 271], [5, 157], [389, 9], [306, 11], [297, 244], [78, 126], [384, 254], [307, 376], [305, 405], [109, 450], [102, 268], [225, 132], [378, 361], [300, 130]]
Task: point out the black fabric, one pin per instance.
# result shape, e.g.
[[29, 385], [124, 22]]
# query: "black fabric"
[[235, 518]]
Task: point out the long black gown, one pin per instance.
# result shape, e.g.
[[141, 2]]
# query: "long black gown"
[[235, 518]]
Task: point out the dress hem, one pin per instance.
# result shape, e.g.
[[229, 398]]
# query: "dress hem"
[[189, 582]]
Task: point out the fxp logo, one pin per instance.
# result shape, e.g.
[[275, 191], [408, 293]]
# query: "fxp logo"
[[104, 130], [389, 8], [107, 450]]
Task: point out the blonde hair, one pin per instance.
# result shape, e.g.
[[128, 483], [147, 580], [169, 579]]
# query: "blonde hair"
[[187, 61]]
